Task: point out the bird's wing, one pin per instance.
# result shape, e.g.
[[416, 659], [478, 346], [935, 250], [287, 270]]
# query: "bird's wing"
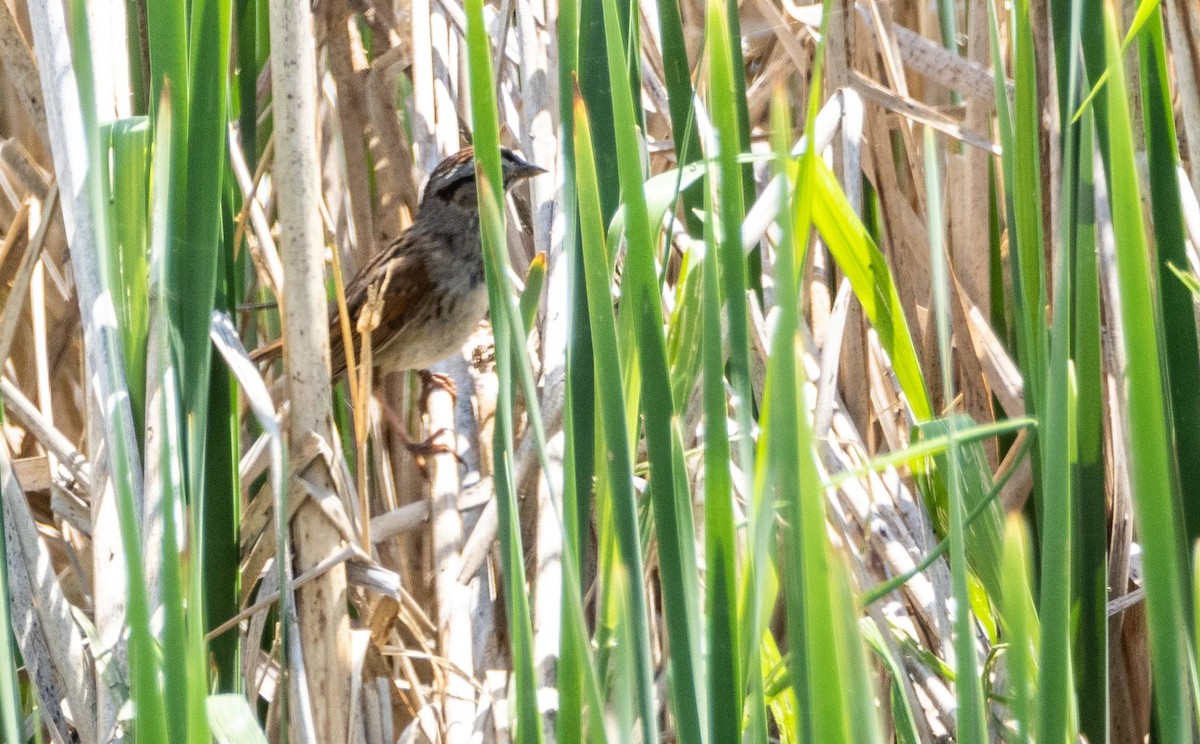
[[401, 280], [408, 281]]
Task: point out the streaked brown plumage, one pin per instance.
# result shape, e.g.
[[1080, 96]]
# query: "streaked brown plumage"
[[436, 293]]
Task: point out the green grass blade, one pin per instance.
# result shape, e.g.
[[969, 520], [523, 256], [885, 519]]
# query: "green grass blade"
[[196, 260], [970, 723], [1146, 12], [1178, 315], [1057, 506], [535, 282], [871, 279], [641, 289], [127, 186], [1151, 450], [723, 94], [1091, 527], [619, 463], [612, 398], [144, 665], [782, 397], [759, 587], [1060, 470], [680, 96], [684, 332], [579, 447], [1026, 230], [733, 42], [527, 724], [179, 664], [246, 30], [724, 269], [932, 444], [1002, 310], [1021, 627], [596, 86], [724, 691], [822, 626]]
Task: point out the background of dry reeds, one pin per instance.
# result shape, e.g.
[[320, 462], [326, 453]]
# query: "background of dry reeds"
[[951, 352]]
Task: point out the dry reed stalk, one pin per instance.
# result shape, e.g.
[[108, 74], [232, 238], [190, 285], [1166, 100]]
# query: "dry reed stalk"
[[324, 624]]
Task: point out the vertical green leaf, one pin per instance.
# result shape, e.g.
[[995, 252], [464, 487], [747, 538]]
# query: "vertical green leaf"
[[618, 460], [680, 96], [971, 724], [641, 289], [1178, 312], [1026, 230], [527, 724], [1090, 528], [144, 664], [579, 414], [724, 267], [1152, 452], [1021, 626], [126, 182]]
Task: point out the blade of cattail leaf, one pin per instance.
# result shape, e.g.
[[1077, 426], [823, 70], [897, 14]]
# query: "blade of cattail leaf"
[[618, 460], [1178, 316], [970, 723], [1021, 626], [509, 340], [579, 414], [1146, 11], [126, 181], [196, 258], [784, 415], [1091, 527], [724, 269], [535, 281], [871, 279], [144, 666], [612, 405], [641, 288], [1026, 229], [680, 97], [1059, 471], [1153, 485]]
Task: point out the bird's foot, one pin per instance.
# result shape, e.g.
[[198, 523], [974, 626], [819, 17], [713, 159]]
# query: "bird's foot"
[[431, 381], [431, 447]]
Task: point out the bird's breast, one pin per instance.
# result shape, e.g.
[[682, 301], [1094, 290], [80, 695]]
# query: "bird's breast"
[[439, 330]]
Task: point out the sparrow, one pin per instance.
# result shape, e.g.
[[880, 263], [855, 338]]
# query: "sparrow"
[[429, 280]]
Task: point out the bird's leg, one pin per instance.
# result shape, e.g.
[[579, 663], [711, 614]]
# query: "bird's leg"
[[430, 446], [423, 449], [433, 380]]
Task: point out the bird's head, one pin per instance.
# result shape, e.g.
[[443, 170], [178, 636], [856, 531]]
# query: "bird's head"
[[453, 180]]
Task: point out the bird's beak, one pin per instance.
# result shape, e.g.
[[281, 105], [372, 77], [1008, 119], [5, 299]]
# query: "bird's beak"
[[527, 170]]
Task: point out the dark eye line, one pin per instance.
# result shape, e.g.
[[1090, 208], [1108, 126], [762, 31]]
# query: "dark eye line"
[[451, 184], [450, 188]]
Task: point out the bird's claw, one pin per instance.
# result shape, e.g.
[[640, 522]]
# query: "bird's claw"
[[430, 381], [430, 447]]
